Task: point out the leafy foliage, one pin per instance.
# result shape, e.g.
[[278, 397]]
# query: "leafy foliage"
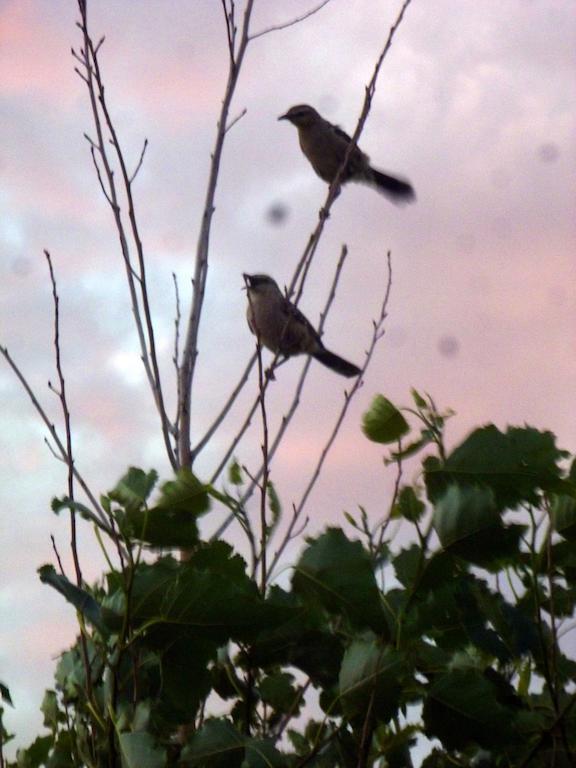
[[453, 635]]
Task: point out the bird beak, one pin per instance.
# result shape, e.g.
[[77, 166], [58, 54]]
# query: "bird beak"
[[247, 281], [284, 117]]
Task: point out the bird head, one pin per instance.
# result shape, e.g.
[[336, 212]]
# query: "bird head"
[[302, 116], [259, 283]]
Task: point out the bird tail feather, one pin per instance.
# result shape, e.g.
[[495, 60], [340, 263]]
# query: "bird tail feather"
[[336, 363], [394, 189]]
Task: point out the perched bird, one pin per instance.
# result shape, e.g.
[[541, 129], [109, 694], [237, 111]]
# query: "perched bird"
[[283, 329], [325, 145]]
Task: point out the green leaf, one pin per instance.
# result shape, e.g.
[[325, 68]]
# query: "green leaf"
[[419, 401], [235, 473], [408, 505], [278, 691], [462, 708], [61, 756], [370, 679], [139, 750], [210, 594], [467, 521], [273, 501], [184, 660], [216, 745], [219, 745], [5, 694], [337, 573], [302, 640], [186, 494], [172, 522], [49, 708], [564, 516], [79, 598], [383, 422], [36, 754], [134, 488], [514, 465], [65, 502]]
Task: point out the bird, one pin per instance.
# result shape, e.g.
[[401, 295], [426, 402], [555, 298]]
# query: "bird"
[[282, 328], [325, 145]]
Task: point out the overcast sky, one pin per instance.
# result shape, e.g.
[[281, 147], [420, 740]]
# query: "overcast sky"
[[475, 106]]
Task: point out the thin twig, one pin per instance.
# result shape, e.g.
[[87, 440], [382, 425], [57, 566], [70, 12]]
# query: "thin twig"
[[144, 326], [224, 412], [233, 122], [265, 468], [286, 24], [97, 515], [230, 27], [57, 554], [140, 161], [66, 415], [70, 466]]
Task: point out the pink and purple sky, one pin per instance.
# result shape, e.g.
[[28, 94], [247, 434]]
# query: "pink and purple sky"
[[475, 105]]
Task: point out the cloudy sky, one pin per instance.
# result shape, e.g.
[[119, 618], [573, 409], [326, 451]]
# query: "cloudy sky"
[[475, 105]]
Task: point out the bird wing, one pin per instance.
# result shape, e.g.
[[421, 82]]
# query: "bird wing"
[[357, 160], [343, 135], [298, 334]]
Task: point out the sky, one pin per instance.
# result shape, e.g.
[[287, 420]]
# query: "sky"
[[474, 105]]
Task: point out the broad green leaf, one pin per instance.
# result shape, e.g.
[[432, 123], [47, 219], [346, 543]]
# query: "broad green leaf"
[[80, 599], [210, 594], [49, 708], [172, 522], [134, 488], [219, 745], [462, 708], [408, 505], [61, 755], [383, 422], [371, 678], [184, 660], [468, 524], [337, 573], [564, 516], [36, 754], [279, 692], [303, 640], [514, 465], [464, 512], [186, 493], [139, 750]]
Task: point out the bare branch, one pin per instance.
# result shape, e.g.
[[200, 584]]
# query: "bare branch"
[[291, 23], [190, 352]]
